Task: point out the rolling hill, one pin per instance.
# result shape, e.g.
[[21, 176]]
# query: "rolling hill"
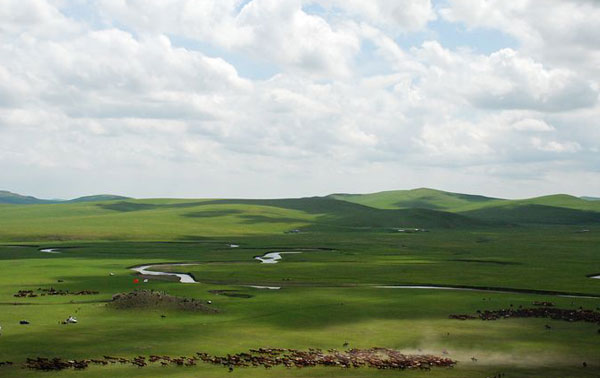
[[108, 217], [552, 209], [7, 197], [590, 198], [18, 199], [423, 198], [342, 214], [99, 198]]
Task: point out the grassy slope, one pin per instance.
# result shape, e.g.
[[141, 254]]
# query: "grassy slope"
[[553, 209], [98, 197], [418, 198], [166, 219]]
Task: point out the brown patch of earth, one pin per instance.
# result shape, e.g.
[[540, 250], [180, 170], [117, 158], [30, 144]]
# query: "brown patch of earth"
[[151, 299]]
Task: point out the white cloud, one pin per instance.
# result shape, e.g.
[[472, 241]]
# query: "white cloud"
[[504, 79], [267, 30], [151, 91], [530, 124], [555, 146], [559, 32]]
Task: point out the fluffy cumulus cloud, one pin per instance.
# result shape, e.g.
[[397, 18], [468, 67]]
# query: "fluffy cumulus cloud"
[[557, 31], [282, 98]]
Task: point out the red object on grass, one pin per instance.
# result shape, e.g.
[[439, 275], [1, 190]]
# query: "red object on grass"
[[135, 280]]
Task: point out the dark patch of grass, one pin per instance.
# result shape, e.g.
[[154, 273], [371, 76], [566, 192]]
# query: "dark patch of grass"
[[211, 213], [231, 293], [339, 214], [125, 206], [535, 214], [487, 261], [251, 219]]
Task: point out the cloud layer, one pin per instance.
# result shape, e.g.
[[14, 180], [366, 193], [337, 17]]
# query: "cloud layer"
[[268, 98]]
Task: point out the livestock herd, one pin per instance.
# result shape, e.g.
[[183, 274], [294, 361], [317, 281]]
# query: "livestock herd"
[[570, 315], [379, 358], [51, 291]]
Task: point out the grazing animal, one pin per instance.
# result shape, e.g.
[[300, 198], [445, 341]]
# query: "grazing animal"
[[547, 326], [473, 359], [71, 320]]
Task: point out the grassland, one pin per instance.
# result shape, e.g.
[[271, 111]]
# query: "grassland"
[[328, 297]]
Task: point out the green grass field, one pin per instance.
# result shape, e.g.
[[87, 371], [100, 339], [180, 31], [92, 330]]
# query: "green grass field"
[[329, 294]]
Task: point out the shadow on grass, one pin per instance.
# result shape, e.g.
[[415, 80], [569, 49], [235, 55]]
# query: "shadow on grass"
[[212, 213], [125, 206]]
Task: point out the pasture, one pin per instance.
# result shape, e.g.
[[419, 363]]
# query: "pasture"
[[329, 294]]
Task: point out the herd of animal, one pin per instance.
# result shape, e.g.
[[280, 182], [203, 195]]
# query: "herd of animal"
[[379, 358], [51, 291], [549, 312]]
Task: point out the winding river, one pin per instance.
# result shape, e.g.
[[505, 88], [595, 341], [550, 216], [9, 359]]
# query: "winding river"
[[183, 277], [50, 250], [274, 257]]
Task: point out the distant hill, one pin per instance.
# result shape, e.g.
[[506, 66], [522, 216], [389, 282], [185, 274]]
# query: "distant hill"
[[552, 209], [98, 198], [590, 198], [7, 197], [18, 199], [535, 214], [560, 200], [109, 217], [334, 213], [422, 198]]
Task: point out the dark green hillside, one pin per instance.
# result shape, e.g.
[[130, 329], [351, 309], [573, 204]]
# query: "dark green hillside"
[[561, 200], [535, 214], [553, 209], [422, 198], [342, 214]]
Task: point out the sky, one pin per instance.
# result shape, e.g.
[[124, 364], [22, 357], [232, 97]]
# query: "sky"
[[289, 98]]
